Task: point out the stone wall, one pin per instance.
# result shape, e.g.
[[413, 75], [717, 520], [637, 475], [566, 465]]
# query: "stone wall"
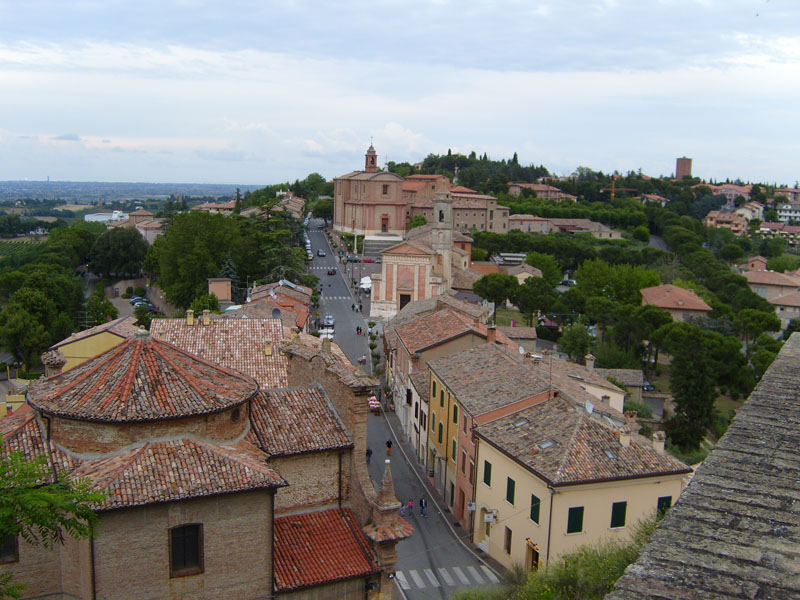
[[313, 479]]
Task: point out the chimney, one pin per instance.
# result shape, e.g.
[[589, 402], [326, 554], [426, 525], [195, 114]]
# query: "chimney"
[[659, 437], [190, 317], [491, 334], [589, 362], [630, 416], [53, 362], [326, 345], [625, 436], [206, 316]]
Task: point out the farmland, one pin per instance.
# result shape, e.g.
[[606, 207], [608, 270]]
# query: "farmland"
[[17, 245]]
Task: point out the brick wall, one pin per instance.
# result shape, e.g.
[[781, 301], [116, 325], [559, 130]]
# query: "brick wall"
[[313, 480], [84, 436]]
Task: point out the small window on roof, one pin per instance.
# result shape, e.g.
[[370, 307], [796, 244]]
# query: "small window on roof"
[[521, 422], [546, 444], [609, 454], [574, 376]]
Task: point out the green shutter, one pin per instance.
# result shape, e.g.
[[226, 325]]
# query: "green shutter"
[[434, 389], [487, 472], [441, 398], [453, 454], [536, 504], [618, 510], [441, 431], [455, 413], [433, 421], [664, 504], [575, 520], [510, 488]]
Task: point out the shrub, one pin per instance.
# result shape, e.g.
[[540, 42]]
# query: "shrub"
[[139, 291], [642, 410], [129, 291]]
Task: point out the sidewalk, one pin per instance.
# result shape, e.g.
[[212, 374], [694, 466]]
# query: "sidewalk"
[[437, 504]]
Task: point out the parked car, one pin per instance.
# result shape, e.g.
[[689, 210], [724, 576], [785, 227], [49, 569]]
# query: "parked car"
[[331, 271], [135, 299], [327, 321], [647, 386], [369, 260], [379, 260], [320, 252], [569, 282], [354, 259]]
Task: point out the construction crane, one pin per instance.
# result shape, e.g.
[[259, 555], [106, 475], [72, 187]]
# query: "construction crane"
[[613, 189]]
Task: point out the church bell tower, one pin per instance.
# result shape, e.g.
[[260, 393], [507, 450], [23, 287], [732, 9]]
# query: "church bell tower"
[[371, 160], [442, 238]]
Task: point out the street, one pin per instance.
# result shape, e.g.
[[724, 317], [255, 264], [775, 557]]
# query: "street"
[[433, 562]]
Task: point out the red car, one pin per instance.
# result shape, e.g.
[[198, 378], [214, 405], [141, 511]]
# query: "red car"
[[369, 260]]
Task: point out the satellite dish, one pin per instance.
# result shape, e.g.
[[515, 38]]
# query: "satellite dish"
[[521, 350]]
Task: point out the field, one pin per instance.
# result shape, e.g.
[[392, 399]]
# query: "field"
[[12, 247]]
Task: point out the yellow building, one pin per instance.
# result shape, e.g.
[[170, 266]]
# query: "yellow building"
[[554, 476], [81, 346]]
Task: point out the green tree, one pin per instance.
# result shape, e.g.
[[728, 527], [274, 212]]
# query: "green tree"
[[496, 288], [323, 209], [793, 327], [479, 254], [99, 309], [783, 263], [751, 323], [649, 320], [575, 341], [205, 302], [40, 507], [551, 271], [731, 252], [23, 335], [641, 233], [535, 294], [417, 221], [119, 251]]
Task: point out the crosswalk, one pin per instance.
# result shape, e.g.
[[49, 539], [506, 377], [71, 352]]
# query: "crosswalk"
[[324, 298], [423, 578]]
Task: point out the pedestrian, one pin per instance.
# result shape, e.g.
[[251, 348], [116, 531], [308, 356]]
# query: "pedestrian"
[[388, 447], [410, 506], [369, 454], [360, 307], [358, 330], [353, 307], [369, 330], [423, 506]]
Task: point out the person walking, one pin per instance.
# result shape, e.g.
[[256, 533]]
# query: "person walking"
[[423, 506], [410, 506], [388, 447], [353, 307], [369, 454], [360, 307]]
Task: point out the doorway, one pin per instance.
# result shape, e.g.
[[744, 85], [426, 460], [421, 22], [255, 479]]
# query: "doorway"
[[384, 224], [531, 555], [404, 299]]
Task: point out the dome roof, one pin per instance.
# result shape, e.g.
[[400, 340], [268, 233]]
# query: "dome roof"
[[142, 379]]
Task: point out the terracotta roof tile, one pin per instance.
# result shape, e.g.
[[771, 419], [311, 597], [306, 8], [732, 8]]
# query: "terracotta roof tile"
[[772, 278], [238, 344], [124, 327], [581, 442], [295, 421], [421, 380], [141, 380], [320, 547], [177, 470], [670, 296], [792, 299], [632, 377], [398, 530], [486, 378], [431, 330]]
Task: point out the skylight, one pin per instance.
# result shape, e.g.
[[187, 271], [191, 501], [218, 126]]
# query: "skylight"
[[610, 454], [574, 376], [546, 444], [521, 422]]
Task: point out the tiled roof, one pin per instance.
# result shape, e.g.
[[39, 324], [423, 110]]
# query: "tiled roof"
[[238, 344], [460, 189], [176, 470], [792, 299], [771, 278], [424, 177], [413, 186], [408, 247], [142, 379], [296, 421], [421, 380], [670, 296], [735, 531], [423, 233], [416, 307], [569, 376], [632, 377], [140, 213], [519, 332], [523, 268], [124, 327], [578, 453], [485, 268], [398, 530], [297, 291], [293, 312], [486, 378], [320, 547], [431, 330], [463, 279]]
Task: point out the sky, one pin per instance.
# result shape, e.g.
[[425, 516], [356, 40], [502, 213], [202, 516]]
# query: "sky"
[[269, 91]]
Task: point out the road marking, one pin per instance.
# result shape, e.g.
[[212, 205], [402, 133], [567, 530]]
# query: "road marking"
[[460, 574], [417, 579], [402, 580], [475, 575], [432, 578], [488, 572], [446, 576]]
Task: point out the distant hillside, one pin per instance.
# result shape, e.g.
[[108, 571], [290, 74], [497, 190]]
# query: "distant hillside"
[[88, 191]]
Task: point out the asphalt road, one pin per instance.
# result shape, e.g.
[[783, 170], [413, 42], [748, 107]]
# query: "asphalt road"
[[432, 563]]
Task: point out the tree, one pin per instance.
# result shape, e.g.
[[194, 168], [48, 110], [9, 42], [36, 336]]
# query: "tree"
[[793, 327], [119, 251], [551, 271], [205, 302], [40, 507], [417, 221], [323, 209], [642, 234], [535, 294], [783, 263], [751, 323], [649, 320], [731, 252], [23, 335], [575, 341], [496, 288], [99, 309]]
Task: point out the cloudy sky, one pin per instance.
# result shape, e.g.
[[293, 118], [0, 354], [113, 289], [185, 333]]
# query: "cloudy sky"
[[261, 92]]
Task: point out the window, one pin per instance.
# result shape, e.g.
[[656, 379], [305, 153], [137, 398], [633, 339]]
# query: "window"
[[452, 494], [186, 550], [9, 551], [416, 410], [434, 389], [487, 472], [510, 489], [453, 450], [491, 214], [385, 189], [507, 541], [455, 413], [536, 504], [464, 462], [575, 520], [471, 471], [618, 510], [433, 421], [423, 423], [441, 398], [464, 423], [664, 504], [441, 432]]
